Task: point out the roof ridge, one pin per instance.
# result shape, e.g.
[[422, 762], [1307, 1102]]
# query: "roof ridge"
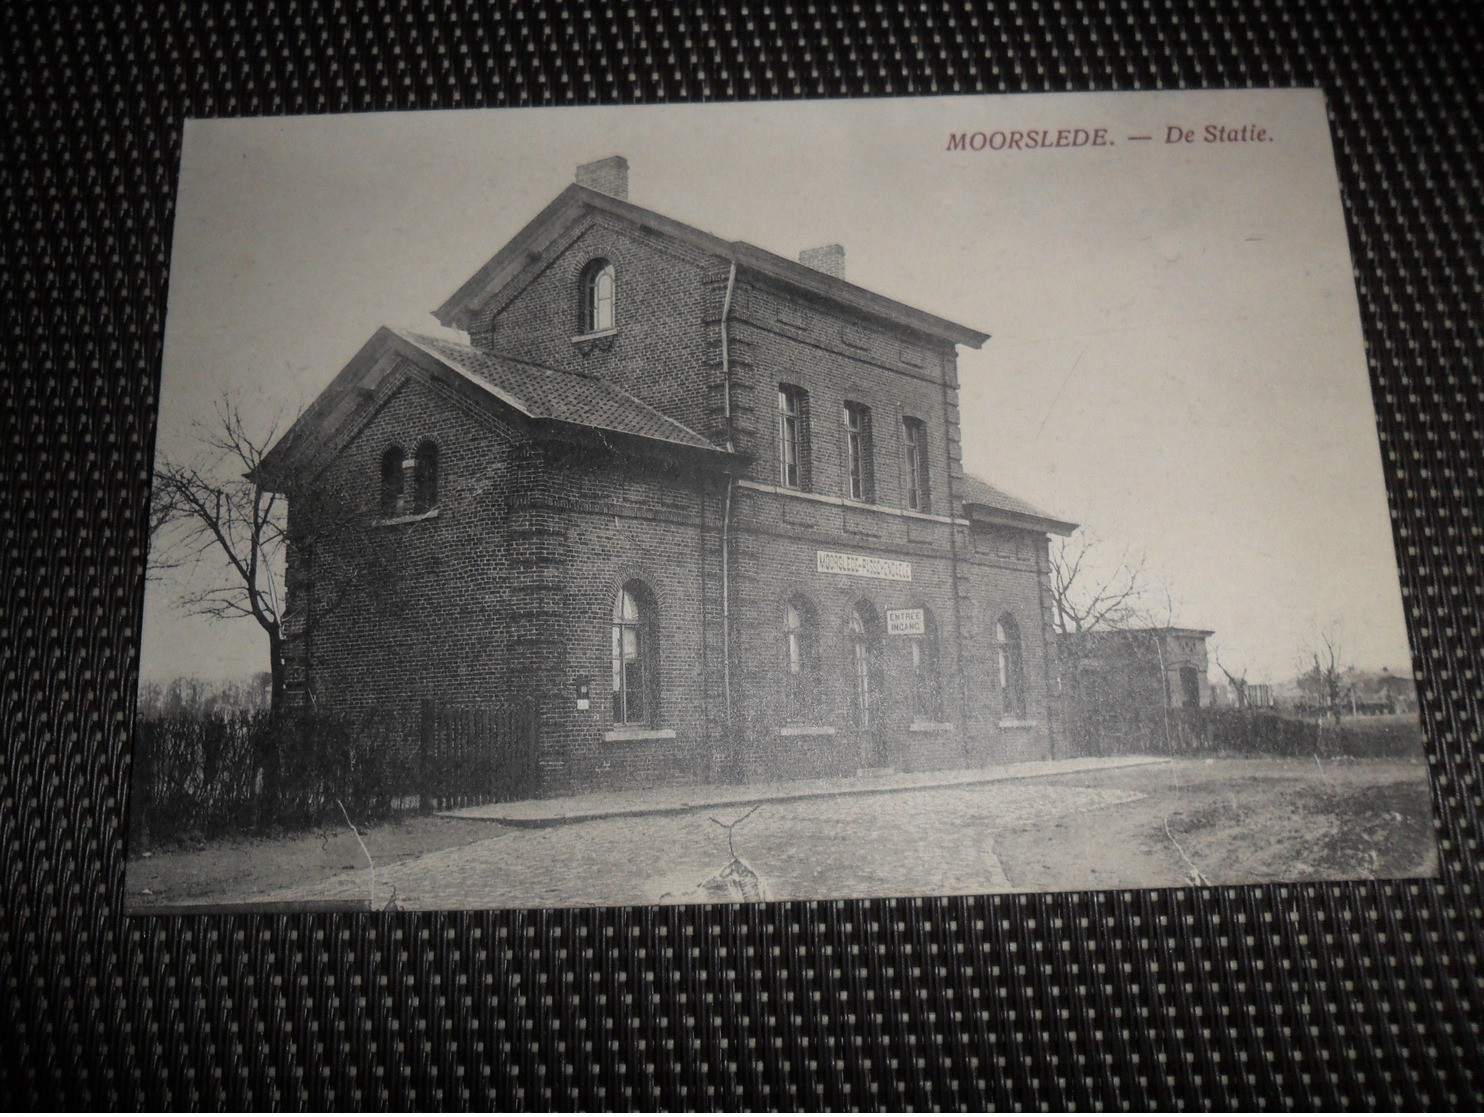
[[489, 278]]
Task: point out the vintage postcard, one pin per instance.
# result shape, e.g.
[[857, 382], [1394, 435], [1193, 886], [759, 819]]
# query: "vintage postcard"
[[770, 501]]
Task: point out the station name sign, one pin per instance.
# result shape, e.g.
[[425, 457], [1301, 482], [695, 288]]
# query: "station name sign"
[[863, 566]]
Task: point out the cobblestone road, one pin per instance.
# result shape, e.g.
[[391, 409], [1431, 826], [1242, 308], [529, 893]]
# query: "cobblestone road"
[[932, 842]]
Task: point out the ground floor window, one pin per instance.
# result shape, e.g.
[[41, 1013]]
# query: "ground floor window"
[[1011, 666], [801, 661], [927, 688], [863, 640], [635, 656]]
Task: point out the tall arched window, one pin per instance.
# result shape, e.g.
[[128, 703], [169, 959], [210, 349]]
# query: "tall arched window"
[[391, 481], [801, 682], [597, 297], [927, 687], [635, 656], [864, 642], [1011, 666], [425, 478]]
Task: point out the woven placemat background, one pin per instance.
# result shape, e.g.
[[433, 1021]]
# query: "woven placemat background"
[[1348, 995]]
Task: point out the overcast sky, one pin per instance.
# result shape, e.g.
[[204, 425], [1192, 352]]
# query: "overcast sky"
[[1175, 361]]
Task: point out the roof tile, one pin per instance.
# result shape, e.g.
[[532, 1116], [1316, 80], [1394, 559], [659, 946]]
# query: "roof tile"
[[568, 397], [972, 490]]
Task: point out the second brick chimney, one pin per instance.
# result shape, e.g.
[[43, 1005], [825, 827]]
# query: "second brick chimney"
[[829, 259], [607, 176]]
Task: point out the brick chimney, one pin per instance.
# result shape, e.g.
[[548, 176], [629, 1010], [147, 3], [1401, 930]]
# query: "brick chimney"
[[829, 259], [607, 176]]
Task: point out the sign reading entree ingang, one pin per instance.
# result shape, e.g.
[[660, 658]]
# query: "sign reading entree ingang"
[[863, 566], [905, 622]]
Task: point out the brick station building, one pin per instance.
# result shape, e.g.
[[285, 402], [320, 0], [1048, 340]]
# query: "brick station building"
[[704, 503]]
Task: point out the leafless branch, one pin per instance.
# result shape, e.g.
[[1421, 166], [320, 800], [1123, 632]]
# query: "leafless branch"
[[1089, 594]]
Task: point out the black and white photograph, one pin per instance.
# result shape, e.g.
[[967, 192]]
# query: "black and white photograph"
[[756, 502]]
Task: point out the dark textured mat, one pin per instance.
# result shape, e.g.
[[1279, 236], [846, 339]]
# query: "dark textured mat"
[[1355, 995]]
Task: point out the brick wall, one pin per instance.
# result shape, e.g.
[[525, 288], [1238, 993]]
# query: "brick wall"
[[405, 607], [658, 348], [1005, 573], [629, 519], [781, 338], [774, 560]]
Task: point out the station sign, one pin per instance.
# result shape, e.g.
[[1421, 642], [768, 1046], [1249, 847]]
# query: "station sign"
[[905, 622], [863, 566]]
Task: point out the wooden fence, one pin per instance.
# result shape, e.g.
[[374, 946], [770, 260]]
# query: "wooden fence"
[[472, 755]]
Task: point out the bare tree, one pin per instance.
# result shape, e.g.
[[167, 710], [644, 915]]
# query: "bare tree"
[[1325, 679], [1090, 590], [222, 533], [1237, 679], [216, 512]]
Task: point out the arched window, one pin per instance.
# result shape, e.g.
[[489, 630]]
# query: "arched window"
[[927, 686], [597, 297], [635, 656], [801, 682], [391, 481], [1011, 666], [425, 478], [864, 642]]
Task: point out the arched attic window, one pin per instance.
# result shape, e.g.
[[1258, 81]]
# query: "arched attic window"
[[597, 297], [390, 502], [425, 478]]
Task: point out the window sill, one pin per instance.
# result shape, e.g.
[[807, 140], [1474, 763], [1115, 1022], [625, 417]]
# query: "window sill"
[[930, 727], [598, 339], [806, 731], [596, 334], [639, 733], [410, 518], [1017, 723]]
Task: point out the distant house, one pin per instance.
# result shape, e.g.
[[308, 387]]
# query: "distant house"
[[1137, 666], [1114, 680], [1392, 694]]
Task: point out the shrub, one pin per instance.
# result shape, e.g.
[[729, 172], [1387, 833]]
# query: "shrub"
[[208, 774], [1154, 730]]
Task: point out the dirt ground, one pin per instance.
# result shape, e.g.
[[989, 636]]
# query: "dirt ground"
[[1234, 822], [239, 867], [1162, 825]]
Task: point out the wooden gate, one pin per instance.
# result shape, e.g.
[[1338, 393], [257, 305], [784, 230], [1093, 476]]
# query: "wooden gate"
[[471, 755]]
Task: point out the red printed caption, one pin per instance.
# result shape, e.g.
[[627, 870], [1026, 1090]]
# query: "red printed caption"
[[1039, 139]]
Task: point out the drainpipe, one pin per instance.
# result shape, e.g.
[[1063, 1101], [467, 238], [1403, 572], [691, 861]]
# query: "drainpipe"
[[1048, 651], [726, 524], [958, 620]]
